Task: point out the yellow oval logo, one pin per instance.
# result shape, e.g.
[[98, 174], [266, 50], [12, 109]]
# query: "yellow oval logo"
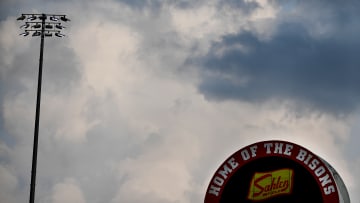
[[269, 184]]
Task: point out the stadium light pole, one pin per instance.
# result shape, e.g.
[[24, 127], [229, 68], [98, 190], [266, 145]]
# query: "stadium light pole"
[[40, 25]]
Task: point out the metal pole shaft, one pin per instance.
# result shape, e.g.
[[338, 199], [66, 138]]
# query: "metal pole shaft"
[[37, 115]]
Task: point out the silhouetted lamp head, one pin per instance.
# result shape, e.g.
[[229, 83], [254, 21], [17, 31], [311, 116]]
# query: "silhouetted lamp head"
[[49, 26], [37, 33], [63, 18], [26, 25], [37, 26], [26, 33], [32, 18], [53, 18], [58, 34], [22, 17], [42, 17], [48, 34], [59, 26]]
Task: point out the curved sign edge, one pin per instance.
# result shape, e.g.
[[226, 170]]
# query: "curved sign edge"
[[322, 171]]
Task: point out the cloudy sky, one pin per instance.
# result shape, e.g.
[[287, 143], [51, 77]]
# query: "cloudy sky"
[[144, 99]]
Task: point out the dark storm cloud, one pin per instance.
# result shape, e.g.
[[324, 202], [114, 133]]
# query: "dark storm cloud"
[[320, 71]]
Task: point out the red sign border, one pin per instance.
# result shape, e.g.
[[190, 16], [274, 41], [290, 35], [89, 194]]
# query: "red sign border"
[[271, 148]]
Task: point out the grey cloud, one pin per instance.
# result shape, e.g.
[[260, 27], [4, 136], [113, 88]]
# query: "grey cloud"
[[294, 64], [140, 4], [8, 7], [241, 5], [61, 67], [60, 73]]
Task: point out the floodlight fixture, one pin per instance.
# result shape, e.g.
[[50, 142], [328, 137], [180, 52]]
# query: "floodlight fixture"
[[37, 33], [58, 34], [48, 34], [26, 25], [59, 26], [42, 17], [32, 18], [26, 33], [49, 26], [37, 26], [54, 18], [63, 18], [22, 17]]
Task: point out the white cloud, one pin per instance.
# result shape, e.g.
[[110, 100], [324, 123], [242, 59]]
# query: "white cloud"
[[8, 186], [159, 178], [107, 51], [67, 191]]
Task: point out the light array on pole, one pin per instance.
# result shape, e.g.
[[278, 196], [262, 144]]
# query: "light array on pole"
[[45, 25]]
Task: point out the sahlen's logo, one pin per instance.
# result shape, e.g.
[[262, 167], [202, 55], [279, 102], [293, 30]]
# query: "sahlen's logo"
[[269, 184]]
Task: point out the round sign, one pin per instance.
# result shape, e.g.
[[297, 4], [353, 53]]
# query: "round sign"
[[275, 171]]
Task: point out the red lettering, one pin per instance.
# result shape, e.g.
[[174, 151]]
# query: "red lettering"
[[256, 184]]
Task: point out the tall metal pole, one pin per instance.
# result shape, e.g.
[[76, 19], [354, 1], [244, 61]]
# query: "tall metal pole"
[[37, 115], [48, 28]]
